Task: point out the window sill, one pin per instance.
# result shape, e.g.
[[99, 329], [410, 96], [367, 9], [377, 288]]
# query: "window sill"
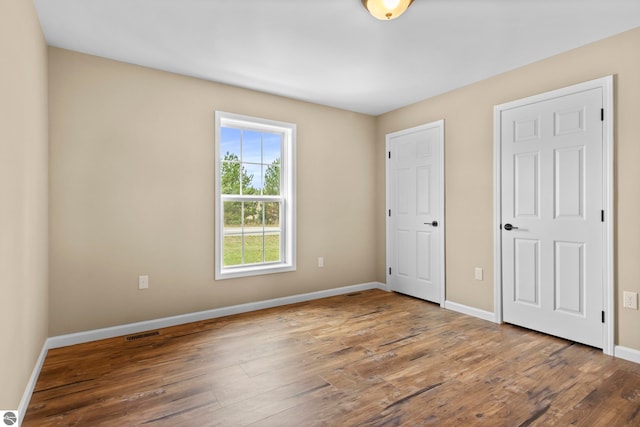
[[233, 273]]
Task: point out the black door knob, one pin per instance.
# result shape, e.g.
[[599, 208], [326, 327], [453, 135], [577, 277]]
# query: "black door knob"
[[510, 227], [432, 223]]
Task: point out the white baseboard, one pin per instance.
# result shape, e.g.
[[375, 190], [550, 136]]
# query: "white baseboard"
[[626, 353], [133, 328], [384, 287], [31, 385], [471, 311]]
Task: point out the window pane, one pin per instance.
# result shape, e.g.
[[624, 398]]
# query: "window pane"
[[272, 247], [230, 144], [260, 188], [272, 231], [272, 215], [252, 183], [272, 147], [232, 216], [253, 233], [232, 232], [251, 147], [252, 216], [272, 179], [253, 245], [230, 177], [232, 249]]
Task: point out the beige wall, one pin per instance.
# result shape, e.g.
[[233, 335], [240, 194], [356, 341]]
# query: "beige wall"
[[468, 114], [131, 183], [23, 197], [132, 172]]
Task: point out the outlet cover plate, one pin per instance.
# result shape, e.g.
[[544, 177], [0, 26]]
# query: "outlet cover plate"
[[143, 282], [630, 300]]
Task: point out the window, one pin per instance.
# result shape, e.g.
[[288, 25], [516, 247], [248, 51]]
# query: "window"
[[255, 196]]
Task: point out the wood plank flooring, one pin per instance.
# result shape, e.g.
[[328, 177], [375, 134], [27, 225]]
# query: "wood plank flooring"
[[371, 358]]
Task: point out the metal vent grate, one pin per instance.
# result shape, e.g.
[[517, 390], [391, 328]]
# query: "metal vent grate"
[[140, 336]]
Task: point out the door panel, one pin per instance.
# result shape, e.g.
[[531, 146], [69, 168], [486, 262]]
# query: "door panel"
[[527, 265], [423, 190], [570, 121], [569, 277], [424, 254], [403, 190], [414, 202], [526, 185], [405, 252], [552, 194], [569, 183]]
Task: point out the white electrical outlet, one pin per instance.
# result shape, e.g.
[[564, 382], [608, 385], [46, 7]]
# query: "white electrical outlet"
[[143, 282], [631, 300], [320, 262], [478, 273]]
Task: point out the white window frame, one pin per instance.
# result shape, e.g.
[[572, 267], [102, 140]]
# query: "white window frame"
[[288, 193]]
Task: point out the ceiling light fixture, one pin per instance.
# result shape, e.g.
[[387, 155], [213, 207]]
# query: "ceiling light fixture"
[[386, 10]]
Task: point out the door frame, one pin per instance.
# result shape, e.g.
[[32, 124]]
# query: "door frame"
[[606, 84], [441, 218]]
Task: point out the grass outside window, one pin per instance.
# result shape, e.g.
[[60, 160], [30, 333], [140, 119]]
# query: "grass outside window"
[[253, 249]]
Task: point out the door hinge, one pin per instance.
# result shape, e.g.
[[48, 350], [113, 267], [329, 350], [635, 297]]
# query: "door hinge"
[[602, 114], [389, 271], [389, 154], [602, 316], [389, 212], [602, 216]]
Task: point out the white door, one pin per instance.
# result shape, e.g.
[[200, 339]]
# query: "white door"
[[552, 216], [415, 217]]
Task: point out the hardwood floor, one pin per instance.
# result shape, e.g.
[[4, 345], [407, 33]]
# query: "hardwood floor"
[[371, 358]]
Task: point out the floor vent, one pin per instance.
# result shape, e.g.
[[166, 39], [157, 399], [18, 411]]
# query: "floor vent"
[[353, 294], [140, 336]]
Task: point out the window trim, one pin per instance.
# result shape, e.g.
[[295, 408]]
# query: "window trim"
[[288, 184]]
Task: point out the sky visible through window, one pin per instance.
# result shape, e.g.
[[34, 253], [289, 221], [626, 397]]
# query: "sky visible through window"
[[253, 149]]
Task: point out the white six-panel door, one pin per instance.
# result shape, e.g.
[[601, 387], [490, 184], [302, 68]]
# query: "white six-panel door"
[[552, 216], [415, 222]]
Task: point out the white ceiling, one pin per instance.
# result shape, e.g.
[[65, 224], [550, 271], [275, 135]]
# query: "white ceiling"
[[333, 52]]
